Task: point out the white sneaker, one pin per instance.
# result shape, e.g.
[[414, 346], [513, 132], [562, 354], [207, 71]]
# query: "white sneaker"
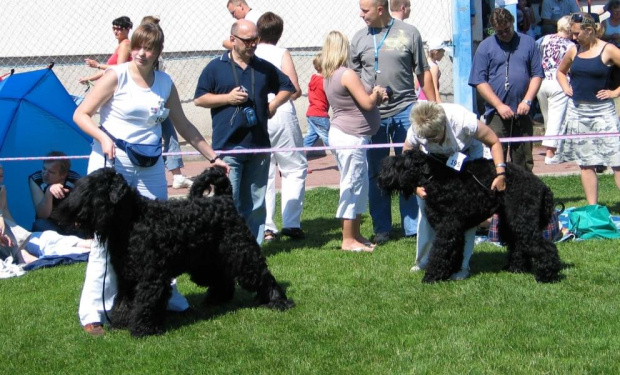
[[179, 182], [554, 160], [417, 268], [461, 275]]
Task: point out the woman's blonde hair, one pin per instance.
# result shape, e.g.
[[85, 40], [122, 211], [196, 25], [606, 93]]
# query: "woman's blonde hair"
[[588, 23], [335, 53], [564, 24], [428, 119]]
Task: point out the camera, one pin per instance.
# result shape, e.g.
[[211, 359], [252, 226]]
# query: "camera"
[[389, 92], [250, 116]]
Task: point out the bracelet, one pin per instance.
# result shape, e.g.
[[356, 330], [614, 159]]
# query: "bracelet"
[[214, 159], [500, 165], [500, 174]]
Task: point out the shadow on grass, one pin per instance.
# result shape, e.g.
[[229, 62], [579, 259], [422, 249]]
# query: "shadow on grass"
[[495, 262], [319, 232], [198, 311]]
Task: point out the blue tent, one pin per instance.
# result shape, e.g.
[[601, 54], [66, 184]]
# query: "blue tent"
[[36, 117]]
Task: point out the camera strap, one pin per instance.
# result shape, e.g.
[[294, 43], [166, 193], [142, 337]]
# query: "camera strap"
[[232, 65]]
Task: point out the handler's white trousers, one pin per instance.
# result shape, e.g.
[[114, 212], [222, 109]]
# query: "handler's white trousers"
[[284, 132]]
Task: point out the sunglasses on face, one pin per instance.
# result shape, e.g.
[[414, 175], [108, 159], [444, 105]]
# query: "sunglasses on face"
[[579, 18], [248, 42], [504, 31]]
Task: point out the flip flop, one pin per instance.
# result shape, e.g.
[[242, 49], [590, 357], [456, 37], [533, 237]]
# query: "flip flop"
[[360, 249]]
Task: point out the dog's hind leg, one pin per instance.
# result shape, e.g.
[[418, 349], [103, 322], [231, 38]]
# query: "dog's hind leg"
[[511, 234], [546, 263], [149, 308]]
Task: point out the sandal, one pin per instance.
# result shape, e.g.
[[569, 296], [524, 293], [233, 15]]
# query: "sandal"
[[270, 235]]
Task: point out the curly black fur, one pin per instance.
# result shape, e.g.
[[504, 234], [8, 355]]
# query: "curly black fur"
[[457, 201], [150, 242]]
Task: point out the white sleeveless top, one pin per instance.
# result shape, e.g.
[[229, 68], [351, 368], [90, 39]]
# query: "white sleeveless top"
[[274, 55], [134, 114]]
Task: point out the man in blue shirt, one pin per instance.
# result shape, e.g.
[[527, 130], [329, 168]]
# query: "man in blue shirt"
[[507, 73], [235, 87]]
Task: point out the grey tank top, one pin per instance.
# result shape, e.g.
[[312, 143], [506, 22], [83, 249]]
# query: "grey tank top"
[[347, 115]]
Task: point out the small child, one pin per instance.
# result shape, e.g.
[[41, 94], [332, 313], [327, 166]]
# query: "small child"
[[436, 51], [317, 114]]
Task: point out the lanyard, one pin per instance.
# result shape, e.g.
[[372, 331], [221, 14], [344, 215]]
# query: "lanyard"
[[378, 47]]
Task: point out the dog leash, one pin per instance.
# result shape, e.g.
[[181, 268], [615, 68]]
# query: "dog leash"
[[105, 270]]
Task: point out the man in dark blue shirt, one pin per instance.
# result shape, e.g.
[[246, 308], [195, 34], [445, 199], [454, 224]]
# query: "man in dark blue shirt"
[[235, 87], [507, 73]]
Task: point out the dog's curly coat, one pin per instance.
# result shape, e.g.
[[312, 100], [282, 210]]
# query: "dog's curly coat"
[[151, 241], [457, 201]]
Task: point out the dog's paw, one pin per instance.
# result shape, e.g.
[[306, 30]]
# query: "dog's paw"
[[145, 331], [281, 304]]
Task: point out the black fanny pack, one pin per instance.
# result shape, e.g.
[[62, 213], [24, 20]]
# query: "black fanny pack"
[[141, 155]]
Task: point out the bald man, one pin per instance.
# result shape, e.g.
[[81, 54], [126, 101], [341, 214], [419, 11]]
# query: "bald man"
[[235, 88]]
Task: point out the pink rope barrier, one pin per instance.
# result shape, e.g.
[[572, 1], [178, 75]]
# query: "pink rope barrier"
[[327, 148]]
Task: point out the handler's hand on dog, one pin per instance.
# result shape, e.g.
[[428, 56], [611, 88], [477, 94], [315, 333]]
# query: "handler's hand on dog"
[[499, 183], [420, 192], [219, 163]]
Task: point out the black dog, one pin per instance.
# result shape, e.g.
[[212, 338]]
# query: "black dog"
[[150, 242], [457, 201]]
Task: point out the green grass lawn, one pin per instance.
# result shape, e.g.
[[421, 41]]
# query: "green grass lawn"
[[355, 314]]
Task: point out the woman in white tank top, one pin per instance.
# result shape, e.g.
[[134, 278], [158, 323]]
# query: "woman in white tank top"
[[134, 99]]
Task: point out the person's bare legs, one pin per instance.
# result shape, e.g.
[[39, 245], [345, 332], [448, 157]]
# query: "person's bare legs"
[[28, 258], [351, 236], [589, 181], [550, 152], [616, 175]]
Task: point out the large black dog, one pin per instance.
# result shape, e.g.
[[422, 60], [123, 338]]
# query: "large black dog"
[[150, 242], [457, 201]]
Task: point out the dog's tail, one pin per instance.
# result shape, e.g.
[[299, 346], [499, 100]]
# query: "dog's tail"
[[212, 181]]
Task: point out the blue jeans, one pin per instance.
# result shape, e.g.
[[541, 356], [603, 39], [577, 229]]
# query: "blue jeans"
[[317, 127], [393, 130], [171, 144], [248, 176]]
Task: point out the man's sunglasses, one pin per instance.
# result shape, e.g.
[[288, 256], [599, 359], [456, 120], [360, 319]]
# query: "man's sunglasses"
[[248, 42]]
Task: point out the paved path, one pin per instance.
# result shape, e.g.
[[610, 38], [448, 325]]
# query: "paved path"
[[323, 171]]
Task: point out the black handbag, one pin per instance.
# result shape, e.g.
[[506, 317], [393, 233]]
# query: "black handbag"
[[140, 155]]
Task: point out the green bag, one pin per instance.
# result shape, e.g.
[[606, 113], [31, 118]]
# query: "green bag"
[[592, 221]]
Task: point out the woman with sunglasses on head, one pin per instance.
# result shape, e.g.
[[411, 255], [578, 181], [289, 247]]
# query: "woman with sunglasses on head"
[[122, 53], [133, 99], [590, 105]]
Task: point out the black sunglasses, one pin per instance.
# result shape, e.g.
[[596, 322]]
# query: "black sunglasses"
[[580, 18], [248, 42]]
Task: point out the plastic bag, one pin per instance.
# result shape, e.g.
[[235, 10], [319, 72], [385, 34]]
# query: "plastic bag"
[[592, 221]]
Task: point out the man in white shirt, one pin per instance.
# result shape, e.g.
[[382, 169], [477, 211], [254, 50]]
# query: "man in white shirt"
[[240, 10]]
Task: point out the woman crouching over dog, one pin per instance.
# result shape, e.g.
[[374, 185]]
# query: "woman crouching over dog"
[[450, 132], [133, 99]]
